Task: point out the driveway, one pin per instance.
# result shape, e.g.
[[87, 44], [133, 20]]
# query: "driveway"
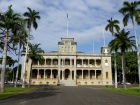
[[79, 95]]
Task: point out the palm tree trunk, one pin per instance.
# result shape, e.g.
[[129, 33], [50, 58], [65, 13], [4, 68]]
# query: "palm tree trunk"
[[115, 65], [4, 63], [137, 50], [123, 70], [13, 73], [17, 66], [24, 66], [30, 75]]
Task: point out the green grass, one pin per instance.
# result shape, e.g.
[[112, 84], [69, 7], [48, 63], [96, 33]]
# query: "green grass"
[[132, 91], [9, 91]]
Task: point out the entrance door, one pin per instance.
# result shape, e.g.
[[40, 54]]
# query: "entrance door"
[[67, 73], [66, 76]]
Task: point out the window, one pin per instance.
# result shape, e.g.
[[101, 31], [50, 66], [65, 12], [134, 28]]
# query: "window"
[[49, 63], [55, 62], [106, 75]]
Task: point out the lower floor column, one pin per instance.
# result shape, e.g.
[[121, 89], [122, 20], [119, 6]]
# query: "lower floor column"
[[51, 74], [95, 74], [62, 75], [89, 74], [44, 74], [70, 75], [82, 74]]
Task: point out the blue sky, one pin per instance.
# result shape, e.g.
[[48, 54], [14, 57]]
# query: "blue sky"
[[87, 19]]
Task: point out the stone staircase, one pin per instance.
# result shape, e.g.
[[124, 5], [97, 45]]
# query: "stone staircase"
[[68, 83]]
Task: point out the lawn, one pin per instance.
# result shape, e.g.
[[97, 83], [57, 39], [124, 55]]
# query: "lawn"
[[9, 91], [132, 91]]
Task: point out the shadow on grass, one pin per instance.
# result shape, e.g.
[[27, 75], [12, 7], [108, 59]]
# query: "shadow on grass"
[[42, 91]]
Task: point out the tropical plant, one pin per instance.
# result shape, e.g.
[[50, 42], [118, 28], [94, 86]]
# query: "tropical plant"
[[20, 40], [113, 24], [31, 17], [123, 43], [34, 54], [130, 11], [8, 21]]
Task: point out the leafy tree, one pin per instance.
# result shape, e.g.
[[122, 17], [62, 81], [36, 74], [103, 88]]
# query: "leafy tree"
[[35, 55], [31, 17], [8, 22], [113, 24], [124, 43], [131, 66], [130, 11]]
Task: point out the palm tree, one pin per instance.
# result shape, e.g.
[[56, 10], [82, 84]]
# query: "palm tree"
[[13, 63], [20, 39], [8, 21], [123, 43], [32, 15], [113, 24], [34, 55], [130, 11]]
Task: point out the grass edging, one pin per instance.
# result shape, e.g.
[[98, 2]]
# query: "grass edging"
[[11, 91], [131, 91]]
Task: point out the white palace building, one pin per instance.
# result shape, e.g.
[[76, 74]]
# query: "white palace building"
[[69, 67]]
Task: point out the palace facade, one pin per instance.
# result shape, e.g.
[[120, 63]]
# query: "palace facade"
[[69, 67]]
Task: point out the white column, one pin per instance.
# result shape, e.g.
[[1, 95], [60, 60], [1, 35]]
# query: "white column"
[[95, 74], [89, 74], [51, 61], [75, 68], [82, 74], [88, 63], [44, 74], [62, 75], [64, 62], [82, 62], [70, 62], [38, 73], [95, 62], [51, 73], [70, 75], [45, 61]]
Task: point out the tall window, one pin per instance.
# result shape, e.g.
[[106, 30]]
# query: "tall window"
[[55, 63], [49, 63], [106, 75]]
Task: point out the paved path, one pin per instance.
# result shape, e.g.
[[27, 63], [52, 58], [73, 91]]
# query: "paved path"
[[60, 95]]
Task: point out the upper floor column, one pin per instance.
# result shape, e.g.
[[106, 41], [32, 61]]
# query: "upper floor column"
[[95, 63], [45, 62], [51, 61], [88, 63], [70, 62], [82, 62]]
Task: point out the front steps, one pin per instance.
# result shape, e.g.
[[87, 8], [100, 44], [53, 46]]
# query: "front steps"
[[68, 83]]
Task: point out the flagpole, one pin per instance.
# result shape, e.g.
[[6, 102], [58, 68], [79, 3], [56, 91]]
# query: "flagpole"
[[93, 46], [103, 37], [67, 24]]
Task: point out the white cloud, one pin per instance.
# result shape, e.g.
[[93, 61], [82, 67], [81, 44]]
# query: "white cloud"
[[86, 19]]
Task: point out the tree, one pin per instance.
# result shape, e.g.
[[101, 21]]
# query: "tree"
[[130, 11], [35, 55], [113, 24], [8, 21], [122, 42], [20, 39], [31, 17]]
